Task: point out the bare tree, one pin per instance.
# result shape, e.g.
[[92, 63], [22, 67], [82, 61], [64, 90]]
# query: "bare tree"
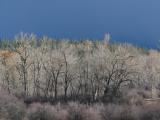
[[23, 49]]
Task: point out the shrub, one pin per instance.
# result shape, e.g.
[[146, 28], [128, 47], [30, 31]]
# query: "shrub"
[[117, 112], [91, 114], [150, 112], [133, 97], [39, 111], [75, 111], [11, 107], [127, 112], [82, 112]]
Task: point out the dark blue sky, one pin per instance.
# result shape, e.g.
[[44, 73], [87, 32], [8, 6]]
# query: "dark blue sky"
[[135, 21]]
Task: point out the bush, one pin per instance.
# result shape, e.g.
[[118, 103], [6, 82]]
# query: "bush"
[[39, 111], [133, 97], [11, 107], [120, 112], [75, 111], [91, 114], [82, 112], [127, 112], [150, 112]]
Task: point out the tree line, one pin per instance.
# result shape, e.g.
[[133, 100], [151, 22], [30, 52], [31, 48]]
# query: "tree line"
[[85, 71]]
